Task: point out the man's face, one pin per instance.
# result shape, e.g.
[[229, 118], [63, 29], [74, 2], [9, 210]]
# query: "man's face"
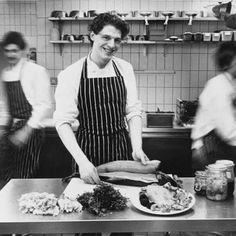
[[106, 42], [13, 53]]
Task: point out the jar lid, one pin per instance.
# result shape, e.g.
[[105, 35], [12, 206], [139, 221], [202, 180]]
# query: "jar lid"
[[201, 173], [225, 162], [216, 167]]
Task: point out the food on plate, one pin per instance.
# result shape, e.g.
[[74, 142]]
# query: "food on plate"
[[47, 204], [163, 178], [104, 199], [164, 198]]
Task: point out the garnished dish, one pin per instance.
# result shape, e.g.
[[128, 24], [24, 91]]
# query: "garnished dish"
[[163, 200], [102, 200], [47, 204]]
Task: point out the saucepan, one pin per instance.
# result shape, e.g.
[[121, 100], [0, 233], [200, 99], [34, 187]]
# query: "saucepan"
[[76, 14], [59, 14], [91, 13]]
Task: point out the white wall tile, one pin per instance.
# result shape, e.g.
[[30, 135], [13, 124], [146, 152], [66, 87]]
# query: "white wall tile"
[[160, 81], [168, 95], [143, 94], [151, 81], [151, 95], [168, 81], [194, 79], [159, 95], [185, 82]]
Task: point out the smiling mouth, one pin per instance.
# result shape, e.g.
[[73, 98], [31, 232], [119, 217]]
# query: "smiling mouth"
[[109, 51]]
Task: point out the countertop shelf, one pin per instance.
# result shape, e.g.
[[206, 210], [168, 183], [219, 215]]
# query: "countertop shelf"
[[142, 42], [137, 19]]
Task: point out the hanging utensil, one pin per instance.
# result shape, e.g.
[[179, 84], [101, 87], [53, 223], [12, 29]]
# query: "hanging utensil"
[[146, 28], [123, 15], [167, 15], [191, 15]]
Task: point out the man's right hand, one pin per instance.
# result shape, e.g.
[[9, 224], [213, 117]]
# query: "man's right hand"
[[88, 172]]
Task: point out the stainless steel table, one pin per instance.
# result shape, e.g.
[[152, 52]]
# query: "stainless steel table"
[[206, 215]]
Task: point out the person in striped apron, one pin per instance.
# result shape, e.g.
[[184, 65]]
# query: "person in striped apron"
[[25, 101], [99, 91], [214, 130]]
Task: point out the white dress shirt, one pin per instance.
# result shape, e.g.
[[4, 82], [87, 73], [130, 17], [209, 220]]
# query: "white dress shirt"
[[216, 110], [66, 94], [35, 82]]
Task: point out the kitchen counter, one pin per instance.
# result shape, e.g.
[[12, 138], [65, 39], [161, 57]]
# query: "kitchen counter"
[[206, 215]]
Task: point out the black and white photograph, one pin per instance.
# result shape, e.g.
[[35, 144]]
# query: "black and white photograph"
[[117, 117]]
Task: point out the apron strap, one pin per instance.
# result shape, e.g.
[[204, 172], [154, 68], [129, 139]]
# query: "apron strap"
[[118, 74]]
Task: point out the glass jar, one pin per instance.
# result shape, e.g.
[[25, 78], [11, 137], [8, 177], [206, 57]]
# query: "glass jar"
[[216, 183], [200, 182], [229, 174]]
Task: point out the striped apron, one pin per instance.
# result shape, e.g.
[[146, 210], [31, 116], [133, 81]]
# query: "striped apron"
[[20, 162], [102, 133]]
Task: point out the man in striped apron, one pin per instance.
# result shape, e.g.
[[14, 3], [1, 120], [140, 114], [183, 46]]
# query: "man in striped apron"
[[99, 91], [22, 138]]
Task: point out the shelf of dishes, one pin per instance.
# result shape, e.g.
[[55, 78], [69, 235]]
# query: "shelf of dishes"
[[204, 15], [136, 18], [155, 37]]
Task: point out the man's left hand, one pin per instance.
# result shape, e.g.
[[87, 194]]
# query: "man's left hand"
[[139, 155], [20, 137]]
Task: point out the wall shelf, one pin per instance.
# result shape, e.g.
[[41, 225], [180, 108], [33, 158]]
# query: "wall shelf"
[[138, 19], [141, 42]]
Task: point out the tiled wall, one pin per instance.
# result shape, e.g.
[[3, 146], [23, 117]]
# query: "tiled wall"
[[164, 73]]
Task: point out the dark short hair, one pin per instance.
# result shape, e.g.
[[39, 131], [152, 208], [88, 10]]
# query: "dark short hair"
[[104, 19], [224, 55], [13, 37]]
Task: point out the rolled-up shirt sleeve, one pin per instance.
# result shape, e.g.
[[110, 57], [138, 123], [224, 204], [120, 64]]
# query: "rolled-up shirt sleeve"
[[133, 104], [66, 100]]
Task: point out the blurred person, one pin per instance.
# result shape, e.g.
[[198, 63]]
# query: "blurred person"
[[100, 92], [25, 101], [214, 130]]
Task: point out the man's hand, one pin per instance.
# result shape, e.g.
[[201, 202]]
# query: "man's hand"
[[199, 158], [139, 155], [21, 136], [88, 172]]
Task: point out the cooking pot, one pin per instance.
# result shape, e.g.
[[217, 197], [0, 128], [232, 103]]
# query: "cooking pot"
[[69, 37], [59, 14], [76, 14], [198, 36], [188, 36], [91, 13]]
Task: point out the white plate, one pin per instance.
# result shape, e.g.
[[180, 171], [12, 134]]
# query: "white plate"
[[135, 201]]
